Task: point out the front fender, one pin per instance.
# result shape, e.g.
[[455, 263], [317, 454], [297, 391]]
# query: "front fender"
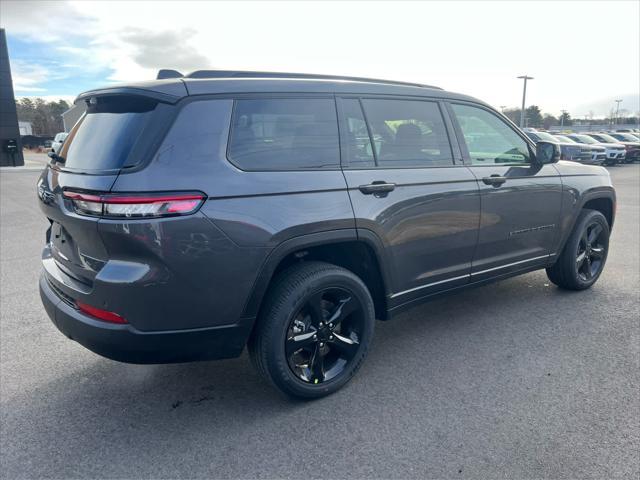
[[575, 197]]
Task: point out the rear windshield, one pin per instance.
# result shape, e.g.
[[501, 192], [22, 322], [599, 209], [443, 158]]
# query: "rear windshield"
[[103, 138]]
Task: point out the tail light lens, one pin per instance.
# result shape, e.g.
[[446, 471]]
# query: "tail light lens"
[[135, 206], [100, 314]]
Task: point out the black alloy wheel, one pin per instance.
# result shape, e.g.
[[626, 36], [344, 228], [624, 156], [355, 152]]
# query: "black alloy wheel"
[[584, 255], [314, 330], [324, 335], [591, 252]]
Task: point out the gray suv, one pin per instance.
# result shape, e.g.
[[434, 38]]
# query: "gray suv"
[[194, 215]]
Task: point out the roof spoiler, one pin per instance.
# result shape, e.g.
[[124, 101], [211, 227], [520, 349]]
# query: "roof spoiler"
[[168, 73]]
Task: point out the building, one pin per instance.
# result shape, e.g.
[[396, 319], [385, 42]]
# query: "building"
[[71, 116], [10, 143], [25, 128]]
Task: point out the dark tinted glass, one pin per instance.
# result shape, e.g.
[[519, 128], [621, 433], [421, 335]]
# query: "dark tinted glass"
[[357, 141], [489, 139], [104, 136], [284, 134], [408, 133]]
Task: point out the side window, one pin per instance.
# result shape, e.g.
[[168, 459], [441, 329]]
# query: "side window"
[[359, 151], [408, 133], [284, 134], [489, 139]]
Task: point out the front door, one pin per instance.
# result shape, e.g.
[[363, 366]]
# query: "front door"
[[406, 188], [520, 199]]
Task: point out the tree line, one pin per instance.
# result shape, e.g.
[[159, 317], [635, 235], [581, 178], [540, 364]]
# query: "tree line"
[[45, 117], [536, 119]]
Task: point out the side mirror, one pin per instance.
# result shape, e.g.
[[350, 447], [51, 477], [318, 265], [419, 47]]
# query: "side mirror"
[[547, 152]]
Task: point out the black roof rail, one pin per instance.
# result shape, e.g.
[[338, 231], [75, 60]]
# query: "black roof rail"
[[250, 74]]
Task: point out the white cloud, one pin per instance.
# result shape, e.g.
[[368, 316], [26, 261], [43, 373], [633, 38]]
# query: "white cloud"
[[474, 47]]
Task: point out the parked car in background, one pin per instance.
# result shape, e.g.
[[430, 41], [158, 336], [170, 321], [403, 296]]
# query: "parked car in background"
[[632, 147], [615, 152], [58, 140], [595, 155], [191, 217], [568, 150]]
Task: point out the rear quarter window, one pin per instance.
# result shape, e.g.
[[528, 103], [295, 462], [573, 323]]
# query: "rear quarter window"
[[284, 134]]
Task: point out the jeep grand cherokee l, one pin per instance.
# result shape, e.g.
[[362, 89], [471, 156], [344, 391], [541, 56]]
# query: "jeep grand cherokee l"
[[192, 216]]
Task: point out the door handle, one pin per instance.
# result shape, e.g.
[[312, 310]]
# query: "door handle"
[[377, 188], [495, 180]]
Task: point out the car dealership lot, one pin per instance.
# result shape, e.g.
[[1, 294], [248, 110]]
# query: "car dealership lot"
[[516, 379]]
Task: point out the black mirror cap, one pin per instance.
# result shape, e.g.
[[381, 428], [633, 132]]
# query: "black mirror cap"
[[547, 152]]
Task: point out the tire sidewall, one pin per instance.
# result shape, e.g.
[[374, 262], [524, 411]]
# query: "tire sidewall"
[[276, 359]]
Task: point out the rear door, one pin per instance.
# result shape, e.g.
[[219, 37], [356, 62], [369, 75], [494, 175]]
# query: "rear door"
[[521, 199], [103, 142], [406, 188]]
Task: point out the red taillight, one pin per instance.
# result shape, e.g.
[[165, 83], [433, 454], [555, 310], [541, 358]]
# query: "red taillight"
[[100, 314], [135, 206]]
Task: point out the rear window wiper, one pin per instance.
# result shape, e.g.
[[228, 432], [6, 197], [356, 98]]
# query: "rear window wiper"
[[55, 157]]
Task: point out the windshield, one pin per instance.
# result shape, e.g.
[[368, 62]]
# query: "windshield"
[[546, 137], [606, 138], [103, 138], [562, 138], [625, 137], [583, 139]]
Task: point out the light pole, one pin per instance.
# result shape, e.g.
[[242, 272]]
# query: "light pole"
[[617, 110], [562, 118], [502, 107], [524, 96]]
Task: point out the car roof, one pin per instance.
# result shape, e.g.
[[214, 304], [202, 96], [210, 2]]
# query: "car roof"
[[171, 90]]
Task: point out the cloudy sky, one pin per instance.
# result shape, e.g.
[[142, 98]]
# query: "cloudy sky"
[[583, 55]]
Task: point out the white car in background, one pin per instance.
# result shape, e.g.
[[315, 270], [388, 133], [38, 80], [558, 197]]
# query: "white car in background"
[[615, 151], [58, 140]]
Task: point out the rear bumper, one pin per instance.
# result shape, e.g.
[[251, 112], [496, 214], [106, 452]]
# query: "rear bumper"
[[124, 343]]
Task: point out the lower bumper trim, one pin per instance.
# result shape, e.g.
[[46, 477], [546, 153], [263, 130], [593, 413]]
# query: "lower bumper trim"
[[126, 344]]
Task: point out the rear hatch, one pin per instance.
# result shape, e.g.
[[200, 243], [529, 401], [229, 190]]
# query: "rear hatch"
[[112, 135]]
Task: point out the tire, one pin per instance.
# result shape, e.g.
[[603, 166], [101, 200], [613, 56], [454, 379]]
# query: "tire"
[[297, 309], [585, 253]]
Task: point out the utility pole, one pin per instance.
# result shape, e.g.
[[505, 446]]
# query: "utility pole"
[[562, 118], [617, 110], [524, 96]]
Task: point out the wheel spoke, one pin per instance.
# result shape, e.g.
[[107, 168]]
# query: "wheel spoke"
[[299, 341], [580, 259], [316, 366], [315, 308], [594, 233], [588, 267], [345, 307], [585, 239], [344, 344], [597, 252]]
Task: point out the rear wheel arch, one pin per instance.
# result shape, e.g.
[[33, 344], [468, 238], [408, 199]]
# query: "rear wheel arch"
[[344, 248]]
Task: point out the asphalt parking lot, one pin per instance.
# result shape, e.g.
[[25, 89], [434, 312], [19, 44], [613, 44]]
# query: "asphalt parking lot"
[[513, 380]]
